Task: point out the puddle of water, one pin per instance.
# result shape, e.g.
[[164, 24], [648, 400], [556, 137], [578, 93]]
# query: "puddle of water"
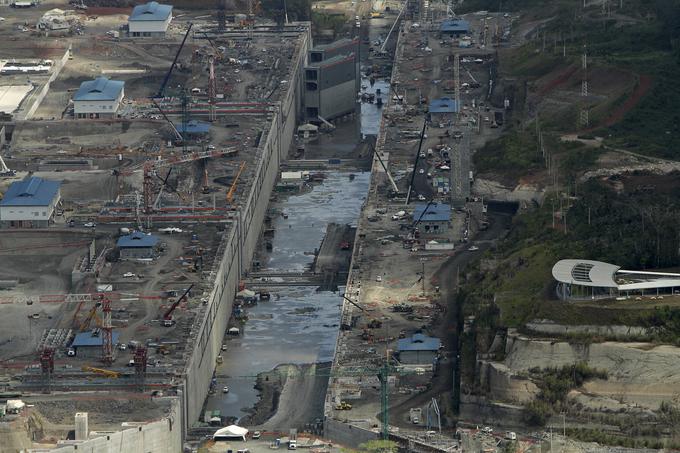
[[298, 325], [370, 113]]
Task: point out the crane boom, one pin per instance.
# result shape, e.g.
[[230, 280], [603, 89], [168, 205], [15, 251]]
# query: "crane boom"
[[4, 170], [232, 189], [178, 136], [161, 90], [389, 176], [168, 314], [107, 373]]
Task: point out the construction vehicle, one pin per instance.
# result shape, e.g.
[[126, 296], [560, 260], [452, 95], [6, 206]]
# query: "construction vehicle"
[[92, 314], [168, 321], [206, 188], [343, 406], [107, 373], [232, 189], [5, 171]]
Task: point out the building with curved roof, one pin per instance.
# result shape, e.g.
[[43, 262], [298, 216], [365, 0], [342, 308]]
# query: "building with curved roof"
[[587, 279]]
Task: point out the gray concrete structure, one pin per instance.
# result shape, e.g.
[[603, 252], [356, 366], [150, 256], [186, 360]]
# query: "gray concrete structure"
[[237, 247], [332, 80]]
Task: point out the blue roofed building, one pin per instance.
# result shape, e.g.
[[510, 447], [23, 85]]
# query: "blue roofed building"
[[433, 218], [454, 27], [419, 349], [149, 19], [137, 246], [30, 203], [98, 98], [89, 344], [442, 109]]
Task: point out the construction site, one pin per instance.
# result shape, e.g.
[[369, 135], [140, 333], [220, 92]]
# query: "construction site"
[[220, 225], [123, 287]]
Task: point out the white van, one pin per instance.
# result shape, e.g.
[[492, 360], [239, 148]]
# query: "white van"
[[292, 444]]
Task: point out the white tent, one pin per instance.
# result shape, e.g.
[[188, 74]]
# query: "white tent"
[[230, 432], [15, 406]]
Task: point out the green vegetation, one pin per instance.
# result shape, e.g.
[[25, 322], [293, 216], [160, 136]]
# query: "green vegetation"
[[554, 385], [636, 229], [326, 21], [512, 155], [297, 9]]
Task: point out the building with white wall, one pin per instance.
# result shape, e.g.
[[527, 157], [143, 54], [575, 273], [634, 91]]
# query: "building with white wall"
[[98, 98], [149, 19], [30, 203]]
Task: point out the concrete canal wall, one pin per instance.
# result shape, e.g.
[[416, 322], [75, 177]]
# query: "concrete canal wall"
[[239, 243]]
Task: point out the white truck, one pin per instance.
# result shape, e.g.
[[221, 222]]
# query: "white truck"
[[415, 414]]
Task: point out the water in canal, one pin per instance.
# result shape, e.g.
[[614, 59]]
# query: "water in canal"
[[298, 324]]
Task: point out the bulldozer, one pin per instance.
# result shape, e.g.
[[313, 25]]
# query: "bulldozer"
[[343, 406]]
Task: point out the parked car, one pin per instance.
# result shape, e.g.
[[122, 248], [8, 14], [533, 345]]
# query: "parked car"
[[90, 225]]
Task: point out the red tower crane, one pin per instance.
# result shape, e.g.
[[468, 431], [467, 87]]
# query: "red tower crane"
[[107, 333]]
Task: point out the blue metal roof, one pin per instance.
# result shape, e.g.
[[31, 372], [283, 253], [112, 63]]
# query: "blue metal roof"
[[418, 342], [443, 105], [150, 11], [33, 191], [455, 26], [87, 339], [137, 240], [194, 127], [436, 212], [99, 89]]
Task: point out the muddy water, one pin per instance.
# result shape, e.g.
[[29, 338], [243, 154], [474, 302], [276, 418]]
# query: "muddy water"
[[298, 324]]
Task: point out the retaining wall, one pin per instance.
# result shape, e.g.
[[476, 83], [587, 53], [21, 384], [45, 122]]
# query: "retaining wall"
[[56, 69], [239, 244], [160, 436]]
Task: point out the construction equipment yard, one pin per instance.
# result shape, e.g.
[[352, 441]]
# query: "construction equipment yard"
[[129, 279]]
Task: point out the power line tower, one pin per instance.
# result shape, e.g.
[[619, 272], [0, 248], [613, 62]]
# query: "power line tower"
[[47, 366], [140, 366], [212, 90], [456, 81], [107, 333], [584, 89], [221, 16]]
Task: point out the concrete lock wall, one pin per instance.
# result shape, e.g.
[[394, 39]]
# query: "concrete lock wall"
[[238, 247], [161, 436], [346, 434], [56, 69]]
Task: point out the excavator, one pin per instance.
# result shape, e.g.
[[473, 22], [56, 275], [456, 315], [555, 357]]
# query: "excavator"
[[206, 188]]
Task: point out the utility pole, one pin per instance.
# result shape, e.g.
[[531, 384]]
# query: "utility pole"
[[584, 88], [456, 82]]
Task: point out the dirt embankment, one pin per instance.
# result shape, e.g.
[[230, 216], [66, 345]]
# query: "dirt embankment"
[[291, 396]]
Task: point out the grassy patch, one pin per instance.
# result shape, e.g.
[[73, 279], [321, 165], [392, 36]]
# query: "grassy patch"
[[513, 155]]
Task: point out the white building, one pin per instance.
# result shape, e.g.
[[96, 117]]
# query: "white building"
[[30, 203], [150, 19], [590, 280], [99, 98]]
